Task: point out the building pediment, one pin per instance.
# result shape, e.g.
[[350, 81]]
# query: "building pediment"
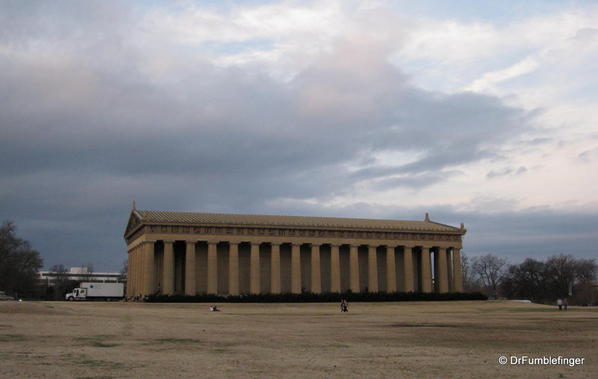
[[134, 223]]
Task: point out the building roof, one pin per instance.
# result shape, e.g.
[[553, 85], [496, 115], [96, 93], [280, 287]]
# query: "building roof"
[[188, 218]]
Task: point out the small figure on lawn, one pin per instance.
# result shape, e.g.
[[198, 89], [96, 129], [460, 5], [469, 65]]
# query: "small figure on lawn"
[[344, 305]]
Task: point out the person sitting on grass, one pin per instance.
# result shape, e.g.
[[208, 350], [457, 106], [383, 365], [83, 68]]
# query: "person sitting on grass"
[[344, 306]]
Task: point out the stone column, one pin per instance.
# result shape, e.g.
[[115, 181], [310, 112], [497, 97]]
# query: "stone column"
[[233, 268], [275, 268], [335, 269], [140, 280], [442, 271], [129, 269], [408, 268], [135, 277], [354, 268], [296, 268], [372, 269], [426, 278], [316, 279], [391, 273], [212, 269], [140, 268], [254, 268], [168, 269], [149, 283], [190, 285], [449, 270], [457, 274]]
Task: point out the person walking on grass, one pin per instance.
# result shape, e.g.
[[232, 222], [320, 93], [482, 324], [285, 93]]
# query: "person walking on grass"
[[559, 302]]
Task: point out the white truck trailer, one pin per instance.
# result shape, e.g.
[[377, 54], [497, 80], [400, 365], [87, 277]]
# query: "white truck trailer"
[[97, 291]]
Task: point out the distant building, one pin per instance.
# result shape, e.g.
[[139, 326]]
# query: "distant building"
[[81, 274]]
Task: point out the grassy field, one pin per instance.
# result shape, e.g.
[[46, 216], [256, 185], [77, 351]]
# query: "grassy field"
[[424, 339]]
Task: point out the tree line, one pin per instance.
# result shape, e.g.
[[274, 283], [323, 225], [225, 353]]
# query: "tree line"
[[541, 281], [19, 269]]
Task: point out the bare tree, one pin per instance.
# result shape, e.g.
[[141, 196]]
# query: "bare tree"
[[124, 270], [470, 284], [564, 271], [489, 269], [62, 282], [89, 270], [525, 281], [585, 293], [559, 276], [586, 270], [586, 290], [59, 271], [19, 264]]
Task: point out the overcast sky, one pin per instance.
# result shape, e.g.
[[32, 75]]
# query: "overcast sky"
[[477, 112]]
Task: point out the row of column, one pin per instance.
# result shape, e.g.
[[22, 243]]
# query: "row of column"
[[142, 270]]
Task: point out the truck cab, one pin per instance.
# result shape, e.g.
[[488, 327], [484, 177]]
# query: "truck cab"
[[77, 294]]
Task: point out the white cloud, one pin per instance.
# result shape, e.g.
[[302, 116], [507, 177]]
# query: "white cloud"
[[449, 55], [488, 81]]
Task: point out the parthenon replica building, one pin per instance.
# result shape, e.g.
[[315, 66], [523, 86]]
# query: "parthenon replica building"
[[229, 254]]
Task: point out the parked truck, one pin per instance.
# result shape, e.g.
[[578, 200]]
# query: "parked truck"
[[97, 291]]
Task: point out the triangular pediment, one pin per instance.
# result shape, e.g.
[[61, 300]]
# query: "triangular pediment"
[[133, 223]]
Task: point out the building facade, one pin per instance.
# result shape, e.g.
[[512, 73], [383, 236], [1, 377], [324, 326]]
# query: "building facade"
[[80, 274], [228, 254]]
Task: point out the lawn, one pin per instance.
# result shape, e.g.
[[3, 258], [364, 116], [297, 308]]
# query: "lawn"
[[406, 339]]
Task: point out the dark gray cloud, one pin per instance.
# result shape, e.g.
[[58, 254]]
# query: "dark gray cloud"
[[87, 126], [533, 233]]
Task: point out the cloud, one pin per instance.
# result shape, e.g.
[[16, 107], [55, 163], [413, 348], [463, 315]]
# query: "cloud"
[[347, 103], [523, 56], [588, 155], [413, 181], [507, 171], [237, 109], [489, 79]]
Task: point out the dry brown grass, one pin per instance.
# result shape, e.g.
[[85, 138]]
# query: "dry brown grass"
[[432, 339]]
